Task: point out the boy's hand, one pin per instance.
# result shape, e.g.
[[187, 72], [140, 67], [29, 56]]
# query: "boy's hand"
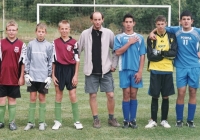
[[152, 36], [133, 40], [55, 80], [74, 81], [48, 82], [21, 81], [28, 79]]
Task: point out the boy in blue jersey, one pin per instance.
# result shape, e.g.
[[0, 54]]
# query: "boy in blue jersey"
[[160, 54], [130, 48], [187, 66]]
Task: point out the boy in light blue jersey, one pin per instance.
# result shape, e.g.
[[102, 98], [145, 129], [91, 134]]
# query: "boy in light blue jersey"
[[187, 66], [131, 49]]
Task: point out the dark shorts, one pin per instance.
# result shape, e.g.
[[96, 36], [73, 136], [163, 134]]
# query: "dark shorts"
[[10, 91], [93, 82], [161, 83], [64, 74], [38, 87]]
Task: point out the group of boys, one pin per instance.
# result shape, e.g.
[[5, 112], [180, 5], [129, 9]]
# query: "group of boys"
[[42, 62]]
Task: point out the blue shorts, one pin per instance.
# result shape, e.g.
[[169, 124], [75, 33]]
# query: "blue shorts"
[[187, 76], [127, 79]]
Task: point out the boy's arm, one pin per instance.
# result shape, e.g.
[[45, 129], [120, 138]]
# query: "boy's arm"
[[22, 61], [77, 59], [152, 34], [115, 58], [138, 75], [50, 58]]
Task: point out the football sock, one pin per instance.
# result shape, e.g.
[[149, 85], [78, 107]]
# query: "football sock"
[[75, 111], [191, 111], [12, 112], [154, 109], [95, 117], [2, 113], [133, 109], [126, 110], [110, 116], [42, 112], [31, 113], [164, 109], [179, 112], [58, 112]]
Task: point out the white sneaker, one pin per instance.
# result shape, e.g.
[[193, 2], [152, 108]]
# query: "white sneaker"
[[151, 124], [78, 125], [57, 125], [29, 126], [165, 124], [42, 126]]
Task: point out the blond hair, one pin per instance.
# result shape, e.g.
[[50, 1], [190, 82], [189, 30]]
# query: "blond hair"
[[63, 22], [41, 26], [11, 23]]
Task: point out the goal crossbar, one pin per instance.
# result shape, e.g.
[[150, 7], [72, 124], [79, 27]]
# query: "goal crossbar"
[[102, 5]]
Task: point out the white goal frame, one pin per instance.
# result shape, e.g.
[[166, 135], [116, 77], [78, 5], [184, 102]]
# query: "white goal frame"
[[102, 5]]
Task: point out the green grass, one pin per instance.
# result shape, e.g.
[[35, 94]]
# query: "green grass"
[[106, 132]]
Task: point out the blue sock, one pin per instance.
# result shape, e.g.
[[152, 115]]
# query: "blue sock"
[[191, 111], [133, 109], [179, 112], [125, 109]]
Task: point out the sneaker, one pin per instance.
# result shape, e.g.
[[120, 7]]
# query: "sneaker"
[[133, 124], [12, 126], [165, 124], [113, 122], [57, 125], [96, 123], [179, 123], [78, 125], [151, 124], [1, 125], [126, 124], [190, 124], [29, 126], [42, 126]]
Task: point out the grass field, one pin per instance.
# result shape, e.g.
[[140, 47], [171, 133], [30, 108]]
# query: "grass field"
[[67, 131]]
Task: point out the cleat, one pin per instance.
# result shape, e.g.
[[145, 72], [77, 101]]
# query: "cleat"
[[179, 123], [96, 123], [151, 124], [165, 124], [133, 124], [29, 126], [126, 124], [190, 124], [78, 125], [113, 122], [12, 126], [57, 125], [42, 126]]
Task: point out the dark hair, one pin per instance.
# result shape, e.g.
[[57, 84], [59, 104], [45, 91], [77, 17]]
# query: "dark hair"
[[160, 18], [186, 13], [91, 16], [128, 16]]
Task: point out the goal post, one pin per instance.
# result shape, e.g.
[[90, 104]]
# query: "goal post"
[[108, 6]]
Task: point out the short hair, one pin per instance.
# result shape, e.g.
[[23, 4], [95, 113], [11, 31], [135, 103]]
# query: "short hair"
[[91, 16], [11, 23], [41, 26], [186, 13], [128, 16], [160, 18], [63, 22]]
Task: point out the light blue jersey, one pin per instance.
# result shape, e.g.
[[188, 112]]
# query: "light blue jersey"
[[188, 47], [130, 59]]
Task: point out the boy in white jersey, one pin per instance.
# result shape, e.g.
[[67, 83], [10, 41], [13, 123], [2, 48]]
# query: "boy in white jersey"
[[38, 71], [187, 66], [130, 48]]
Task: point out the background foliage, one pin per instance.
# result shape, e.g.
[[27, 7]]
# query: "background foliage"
[[79, 16]]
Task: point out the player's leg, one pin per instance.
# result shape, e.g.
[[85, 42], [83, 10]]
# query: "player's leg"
[[31, 113], [2, 109], [42, 111], [75, 111], [181, 83], [91, 87], [107, 86]]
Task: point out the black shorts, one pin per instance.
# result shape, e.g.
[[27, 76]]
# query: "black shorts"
[[64, 74], [161, 83], [10, 91], [38, 87]]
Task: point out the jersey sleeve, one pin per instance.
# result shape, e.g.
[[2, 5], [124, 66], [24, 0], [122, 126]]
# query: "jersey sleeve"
[[0, 52], [50, 57], [23, 53], [117, 42], [172, 29], [54, 52], [76, 55], [28, 58]]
